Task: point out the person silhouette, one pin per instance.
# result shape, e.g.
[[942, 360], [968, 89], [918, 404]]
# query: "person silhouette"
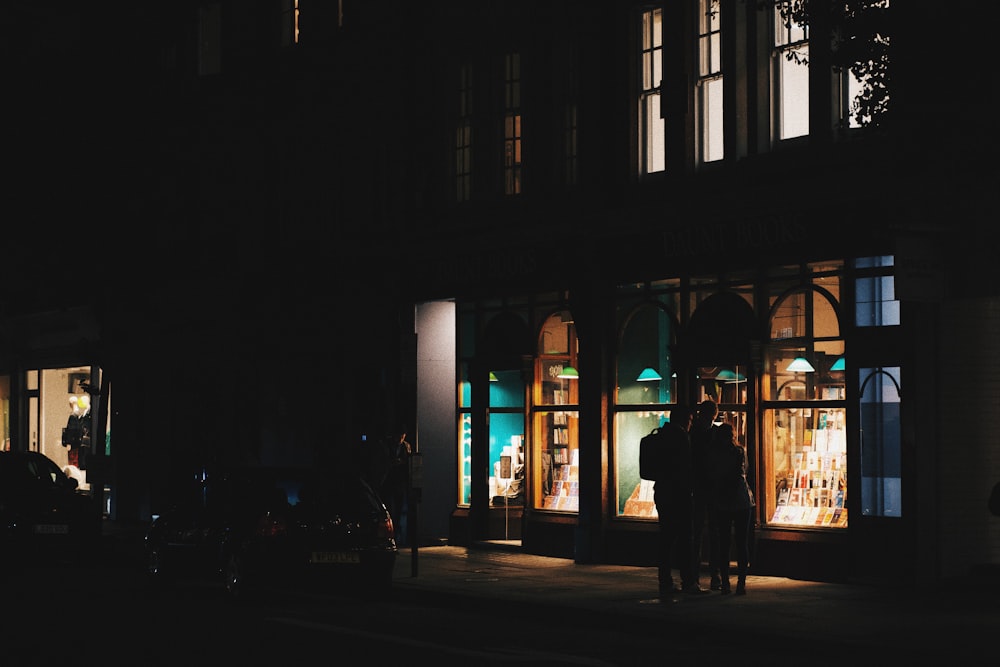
[[672, 497], [734, 505], [704, 519]]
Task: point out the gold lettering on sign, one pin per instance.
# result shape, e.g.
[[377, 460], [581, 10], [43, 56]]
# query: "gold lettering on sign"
[[733, 237]]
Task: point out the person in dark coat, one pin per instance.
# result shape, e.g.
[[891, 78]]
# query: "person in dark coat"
[[672, 495], [734, 505], [395, 489], [702, 430]]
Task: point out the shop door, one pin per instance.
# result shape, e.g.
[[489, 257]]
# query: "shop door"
[[718, 344]]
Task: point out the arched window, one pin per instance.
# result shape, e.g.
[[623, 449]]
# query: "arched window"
[[555, 416], [645, 390], [881, 442], [805, 443]]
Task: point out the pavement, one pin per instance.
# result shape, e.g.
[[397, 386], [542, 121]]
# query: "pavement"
[[939, 622], [946, 621]]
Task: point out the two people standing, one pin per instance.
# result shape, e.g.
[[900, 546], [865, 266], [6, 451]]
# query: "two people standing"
[[702, 484]]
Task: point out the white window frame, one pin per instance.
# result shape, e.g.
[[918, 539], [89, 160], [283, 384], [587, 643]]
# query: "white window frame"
[[789, 76], [651, 124], [709, 93]]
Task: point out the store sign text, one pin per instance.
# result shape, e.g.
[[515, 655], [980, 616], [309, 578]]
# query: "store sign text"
[[476, 269], [733, 237]]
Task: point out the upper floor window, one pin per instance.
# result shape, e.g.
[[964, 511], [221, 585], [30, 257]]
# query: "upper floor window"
[[790, 74], [652, 151], [463, 136], [570, 162], [512, 124], [862, 55], [709, 91]]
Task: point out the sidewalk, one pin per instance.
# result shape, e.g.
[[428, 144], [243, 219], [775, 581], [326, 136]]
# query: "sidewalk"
[[949, 620]]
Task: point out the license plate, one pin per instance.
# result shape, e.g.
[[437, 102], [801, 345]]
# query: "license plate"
[[51, 529], [334, 557]]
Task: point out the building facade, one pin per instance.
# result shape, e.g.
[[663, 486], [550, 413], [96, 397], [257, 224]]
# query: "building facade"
[[529, 230]]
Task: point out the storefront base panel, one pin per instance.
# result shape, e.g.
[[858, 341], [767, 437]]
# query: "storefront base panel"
[[552, 536], [503, 524], [633, 544], [803, 555]]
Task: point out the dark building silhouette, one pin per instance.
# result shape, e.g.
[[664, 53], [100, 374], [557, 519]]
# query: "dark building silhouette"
[[265, 229]]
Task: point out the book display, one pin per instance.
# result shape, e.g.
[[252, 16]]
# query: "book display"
[[809, 458], [563, 492], [640, 503]]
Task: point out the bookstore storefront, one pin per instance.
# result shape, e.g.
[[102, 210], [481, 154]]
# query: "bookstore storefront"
[[794, 355]]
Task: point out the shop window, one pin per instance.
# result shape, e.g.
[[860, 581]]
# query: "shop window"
[[506, 437], [464, 435], [790, 57], [803, 475], [646, 387], [4, 413], [727, 386], [507, 456], [881, 465], [875, 303], [652, 149], [512, 124], [709, 91], [555, 417]]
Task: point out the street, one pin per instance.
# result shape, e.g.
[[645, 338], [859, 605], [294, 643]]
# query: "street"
[[472, 607]]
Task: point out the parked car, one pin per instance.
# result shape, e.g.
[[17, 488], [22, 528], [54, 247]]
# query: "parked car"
[[42, 510], [258, 528]]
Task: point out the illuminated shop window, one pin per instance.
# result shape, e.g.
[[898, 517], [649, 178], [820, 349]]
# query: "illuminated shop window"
[[506, 439], [881, 450], [803, 477], [464, 435], [645, 391], [556, 417], [652, 156]]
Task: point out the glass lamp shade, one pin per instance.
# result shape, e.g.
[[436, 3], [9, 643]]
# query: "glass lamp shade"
[[648, 375], [838, 365], [800, 365], [493, 377], [730, 377], [568, 373]]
